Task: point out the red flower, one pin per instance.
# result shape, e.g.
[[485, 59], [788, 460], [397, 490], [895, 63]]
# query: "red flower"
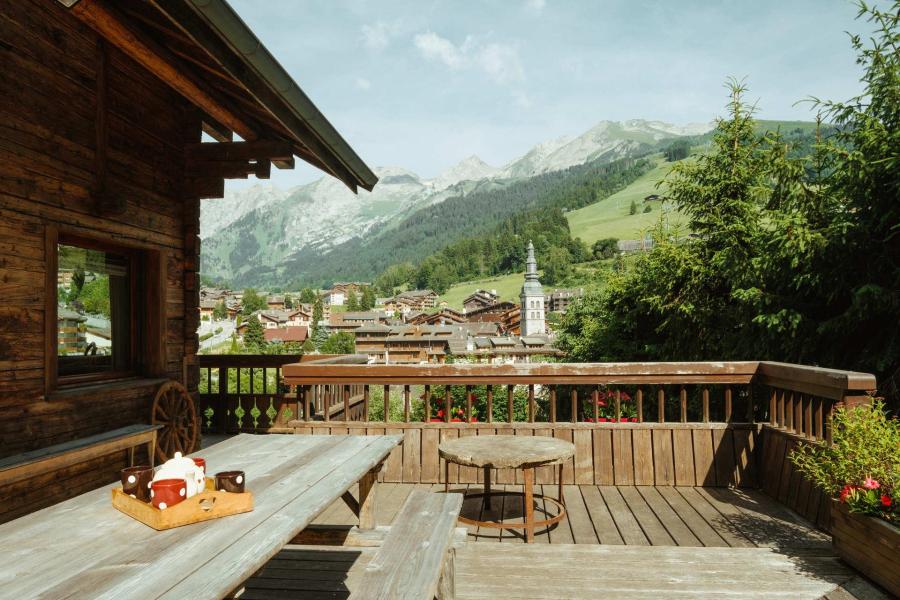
[[871, 484], [634, 419], [588, 419], [846, 491], [455, 420], [885, 500], [440, 413]]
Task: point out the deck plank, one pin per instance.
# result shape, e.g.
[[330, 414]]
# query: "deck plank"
[[691, 518], [582, 527], [732, 536], [626, 523], [654, 530], [604, 525]]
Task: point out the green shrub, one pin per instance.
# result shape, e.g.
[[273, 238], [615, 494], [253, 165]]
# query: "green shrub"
[[862, 465]]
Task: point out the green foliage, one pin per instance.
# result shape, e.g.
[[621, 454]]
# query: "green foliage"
[[352, 301], [342, 342], [557, 265], [865, 442], [307, 296], [677, 150], [605, 248], [367, 298], [318, 313], [94, 296], [288, 301], [220, 313], [648, 208], [790, 251], [252, 302], [254, 337], [394, 277], [632, 210]]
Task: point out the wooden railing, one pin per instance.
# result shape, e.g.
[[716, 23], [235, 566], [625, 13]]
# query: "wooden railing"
[[246, 393], [698, 423]]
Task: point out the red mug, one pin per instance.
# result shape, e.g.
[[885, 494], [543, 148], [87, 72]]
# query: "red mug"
[[167, 492], [200, 462]]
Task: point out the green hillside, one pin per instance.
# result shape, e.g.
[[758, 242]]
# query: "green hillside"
[[611, 218]]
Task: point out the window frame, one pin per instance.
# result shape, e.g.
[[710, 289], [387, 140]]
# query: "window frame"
[[143, 263]]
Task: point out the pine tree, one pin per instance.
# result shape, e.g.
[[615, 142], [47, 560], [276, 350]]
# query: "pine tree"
[[352, 301], [307, 296], [632, 210], [254, 338], [317, 316], [368, 298]]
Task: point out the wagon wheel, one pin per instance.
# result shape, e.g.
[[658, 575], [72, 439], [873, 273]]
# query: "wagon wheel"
[[173, 408]]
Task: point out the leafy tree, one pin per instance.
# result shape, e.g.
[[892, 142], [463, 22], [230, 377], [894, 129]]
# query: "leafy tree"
[[94, 296], [605, 248], [252, 302], [318, 313], [307, 296], [288, 301], [367, 302], [220, 312], [352, 301], [254, 338], [342, 342], [557, 266]]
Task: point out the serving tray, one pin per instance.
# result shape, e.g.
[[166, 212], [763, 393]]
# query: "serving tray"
[[209, 504]]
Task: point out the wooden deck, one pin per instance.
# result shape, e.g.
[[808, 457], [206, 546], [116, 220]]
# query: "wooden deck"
[[625, 515], [618, 542]]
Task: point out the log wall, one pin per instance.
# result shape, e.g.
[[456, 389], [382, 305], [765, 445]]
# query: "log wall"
[[683, 454], [48, 176]]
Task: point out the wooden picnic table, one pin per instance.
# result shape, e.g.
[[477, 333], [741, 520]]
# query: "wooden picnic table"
[[84, 547]]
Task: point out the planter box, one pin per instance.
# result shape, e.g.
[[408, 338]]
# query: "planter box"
[[869, 545]]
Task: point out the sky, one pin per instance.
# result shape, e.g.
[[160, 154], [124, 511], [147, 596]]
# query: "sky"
[[424, 84]]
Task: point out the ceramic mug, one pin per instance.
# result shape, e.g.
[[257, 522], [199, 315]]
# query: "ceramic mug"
[[167, 492], [136, 481], [230, 481]]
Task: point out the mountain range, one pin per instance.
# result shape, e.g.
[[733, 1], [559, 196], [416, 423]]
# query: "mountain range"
[[257, 235]]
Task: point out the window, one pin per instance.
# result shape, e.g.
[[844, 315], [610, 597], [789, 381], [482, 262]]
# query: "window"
[[96, 297]]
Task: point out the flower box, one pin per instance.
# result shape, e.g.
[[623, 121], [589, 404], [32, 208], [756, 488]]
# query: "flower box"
[[868, 544]]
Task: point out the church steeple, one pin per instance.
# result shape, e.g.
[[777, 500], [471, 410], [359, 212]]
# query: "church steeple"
[[532, 298]]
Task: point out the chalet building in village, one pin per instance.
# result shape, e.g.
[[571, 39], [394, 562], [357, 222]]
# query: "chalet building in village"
[[102, 107]]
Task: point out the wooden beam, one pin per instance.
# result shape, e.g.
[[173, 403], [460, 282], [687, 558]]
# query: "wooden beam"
[[106, 21], [232, 151], [239, 169], [216, 130], [204, 187]]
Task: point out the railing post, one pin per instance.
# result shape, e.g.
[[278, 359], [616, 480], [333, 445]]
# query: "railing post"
[[706, 405], [531, 403], [406, 404], [639, 403], [773, 408], [553, 403], [490, 404], [346, 402], [682, 396], [427, 403], [366, 402], [221, 414], [728, 407], [510, 391], [326, 402], [595, 401], [661, 404], [468, 404], [574, 398], [387, 403], [618, 405], [448, 403]]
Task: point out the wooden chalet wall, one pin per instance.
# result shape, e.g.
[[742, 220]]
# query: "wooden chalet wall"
[[49, 131]]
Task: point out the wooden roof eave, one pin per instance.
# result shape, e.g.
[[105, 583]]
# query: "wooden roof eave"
[[215, 27]]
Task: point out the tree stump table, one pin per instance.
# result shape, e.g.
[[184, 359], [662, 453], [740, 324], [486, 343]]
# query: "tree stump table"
[[510, 452]]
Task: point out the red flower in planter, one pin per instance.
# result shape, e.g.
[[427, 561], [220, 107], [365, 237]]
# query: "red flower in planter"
[[885, 501], [588, 419], [634, 419], [603, 419], [846, 491], [440, 413], [455, 420], [436, 420], [601, 402], [474, 419]]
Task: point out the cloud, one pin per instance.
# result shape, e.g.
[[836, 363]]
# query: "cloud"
[[499, 61], [378, 35], [363, 83], [521, 99], [535, 6]]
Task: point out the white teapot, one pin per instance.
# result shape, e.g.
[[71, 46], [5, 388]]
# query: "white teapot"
[[183, 468]]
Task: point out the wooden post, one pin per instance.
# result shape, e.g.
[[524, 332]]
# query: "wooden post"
[[528, 509], [618, 405], [706, 405], [661, 405], [773, 409], [387, 403], [728, 404], [490, 404], [531, 403], [574, 400], [682, 396], [406, 404], [595, 399], [468, 404], [346, 402], [448, 403], [222, 409], [639, 400], [427, 403], [553, 404], [510, 416], [326, 409], [366, 402], [367, 499]]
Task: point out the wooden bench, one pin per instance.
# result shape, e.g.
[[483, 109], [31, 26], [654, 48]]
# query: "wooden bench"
[[415, 561], [59, 456]]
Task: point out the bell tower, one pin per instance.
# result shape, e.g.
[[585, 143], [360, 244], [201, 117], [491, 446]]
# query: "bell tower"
[[532, 299]]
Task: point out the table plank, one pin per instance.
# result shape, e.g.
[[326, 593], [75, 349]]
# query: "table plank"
[[124, 558]]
